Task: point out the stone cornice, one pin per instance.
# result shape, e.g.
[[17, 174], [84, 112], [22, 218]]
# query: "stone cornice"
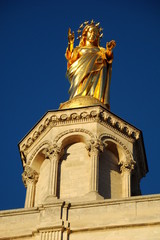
[[84, 204], [75, 116], [133, 208], [108, 202], [116, 226]]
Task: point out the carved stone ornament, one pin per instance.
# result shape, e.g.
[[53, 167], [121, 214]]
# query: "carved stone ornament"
[[94, 145], [54, 151], [127, 166], [73, 130], [29, 176], [107, 137], [104, 117]]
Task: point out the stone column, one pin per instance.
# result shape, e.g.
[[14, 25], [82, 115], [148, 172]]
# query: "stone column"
[[126, 169], [53, 153], [94, 148], [30, 178]]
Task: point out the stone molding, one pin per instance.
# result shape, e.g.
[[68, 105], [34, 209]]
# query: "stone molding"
[[85, 204], [117, 141], [114, 227], [43, 145], [49, 147], [74, 130], [88, 115]]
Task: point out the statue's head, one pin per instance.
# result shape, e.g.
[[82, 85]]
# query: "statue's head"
[[90, 32]]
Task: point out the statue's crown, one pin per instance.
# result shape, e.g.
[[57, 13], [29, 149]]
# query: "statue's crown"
[[86, 24]]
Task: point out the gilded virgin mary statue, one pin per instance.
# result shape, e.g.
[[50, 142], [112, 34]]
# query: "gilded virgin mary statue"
[[89, 66]]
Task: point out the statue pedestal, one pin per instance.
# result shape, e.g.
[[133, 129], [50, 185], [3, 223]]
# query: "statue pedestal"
[[83, 153], [83, 101]]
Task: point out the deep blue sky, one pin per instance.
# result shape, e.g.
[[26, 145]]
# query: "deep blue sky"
[[33, 39]]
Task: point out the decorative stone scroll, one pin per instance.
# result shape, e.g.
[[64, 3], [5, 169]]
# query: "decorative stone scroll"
[[94, 147], [30, 178]]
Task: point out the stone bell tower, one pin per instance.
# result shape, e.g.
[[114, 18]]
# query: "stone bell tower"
[[82, 153]]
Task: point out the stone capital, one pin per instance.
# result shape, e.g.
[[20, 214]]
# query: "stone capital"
[[29, 176], [53, 152], [127, 166], [94, 146]]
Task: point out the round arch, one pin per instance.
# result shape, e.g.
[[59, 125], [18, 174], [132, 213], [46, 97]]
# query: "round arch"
[[38, 156], [122, 151], [73, 167], [73, 136]]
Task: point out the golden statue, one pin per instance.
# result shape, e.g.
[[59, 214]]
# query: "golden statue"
[[89, 66]]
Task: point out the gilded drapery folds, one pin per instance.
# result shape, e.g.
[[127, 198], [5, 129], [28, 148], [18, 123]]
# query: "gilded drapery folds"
[[89, 66]]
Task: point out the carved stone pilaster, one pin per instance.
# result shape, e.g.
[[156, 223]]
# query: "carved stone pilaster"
[[126, 169], [53, 154], [94, 147], [30, 178]]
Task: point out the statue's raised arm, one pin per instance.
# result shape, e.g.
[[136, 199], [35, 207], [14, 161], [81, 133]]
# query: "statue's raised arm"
[[89, 65], [70, 44], [109, 47]]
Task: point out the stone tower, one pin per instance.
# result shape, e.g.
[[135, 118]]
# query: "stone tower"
[[82, 170], [82, 153]]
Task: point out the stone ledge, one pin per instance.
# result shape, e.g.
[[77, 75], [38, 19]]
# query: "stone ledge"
[[107, 202], [154, 197], [74, 230]]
